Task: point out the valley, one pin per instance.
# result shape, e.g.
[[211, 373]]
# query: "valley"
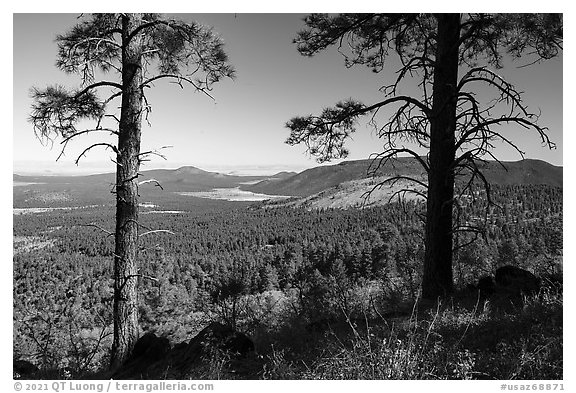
[[344, 185], [291, 273], [159, 232]]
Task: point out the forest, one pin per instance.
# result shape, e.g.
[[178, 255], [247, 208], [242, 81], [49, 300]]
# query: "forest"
[[311, 288]]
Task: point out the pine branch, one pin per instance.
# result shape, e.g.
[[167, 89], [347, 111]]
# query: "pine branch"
[[157, 231], [106, 145]]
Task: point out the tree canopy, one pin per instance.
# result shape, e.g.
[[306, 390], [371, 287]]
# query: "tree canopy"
[[183, 52]]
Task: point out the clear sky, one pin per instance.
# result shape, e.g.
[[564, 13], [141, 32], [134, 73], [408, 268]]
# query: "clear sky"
[[243, 129]]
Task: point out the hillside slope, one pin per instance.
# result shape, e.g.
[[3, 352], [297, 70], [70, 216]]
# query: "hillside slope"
[[526, 171], [34, 191], [182, 179], [315, 180]]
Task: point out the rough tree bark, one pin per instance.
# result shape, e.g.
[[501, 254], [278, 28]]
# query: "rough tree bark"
[[125, 264], [437, 274]]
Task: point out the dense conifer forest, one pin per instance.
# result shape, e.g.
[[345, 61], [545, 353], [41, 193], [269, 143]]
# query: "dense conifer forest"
[[262, 269]]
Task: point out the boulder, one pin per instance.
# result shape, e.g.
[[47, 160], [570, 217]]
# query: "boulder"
[[23, 369], [214, 337], [225, 338], [148, 350], [153, 357], [150, 347], [486, 285], [517, 280]]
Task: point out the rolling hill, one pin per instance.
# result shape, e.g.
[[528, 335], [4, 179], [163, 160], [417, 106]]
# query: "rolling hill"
[[315, 180], [186, 178], [339, 186], [349, 184], [526, 171], [95, 189]]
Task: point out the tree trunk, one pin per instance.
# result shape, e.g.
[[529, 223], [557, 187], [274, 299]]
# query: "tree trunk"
[[437, 276], [125, 315]]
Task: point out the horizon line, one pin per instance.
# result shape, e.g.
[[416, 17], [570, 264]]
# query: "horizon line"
[[229, 169]]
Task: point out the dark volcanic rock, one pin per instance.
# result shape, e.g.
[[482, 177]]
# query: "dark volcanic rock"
[[148, 350], [517, 280], [214, 337], [153, 358], [486, 286], [223, 337], [151, 347], [23, 369]]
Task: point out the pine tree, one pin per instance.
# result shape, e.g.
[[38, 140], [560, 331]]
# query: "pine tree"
[[135, 51], [449, 120]]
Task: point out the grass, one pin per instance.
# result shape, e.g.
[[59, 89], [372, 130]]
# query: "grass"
[[500, 338], [503, 337]]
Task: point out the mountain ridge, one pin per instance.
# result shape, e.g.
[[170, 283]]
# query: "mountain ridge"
[[189, 177], [317, 179], [338, 185]]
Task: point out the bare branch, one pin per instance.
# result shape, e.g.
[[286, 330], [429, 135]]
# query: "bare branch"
[[405, 191], [145, 277], [476, 230], [142, 155], [131, 276], [68, 138], [407, 99], [157, 231], [154, 181], [402, 192], [95, 85], [484, 127], [395, 179], [99, 227], [179, 80], [106, 145]]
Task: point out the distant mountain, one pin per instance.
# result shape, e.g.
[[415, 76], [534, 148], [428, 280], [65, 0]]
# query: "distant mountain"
[[190, 178], [282, 175], [340, 185], [186, 178], [526, 171], [318, 179], [314, 180], [34, 191]]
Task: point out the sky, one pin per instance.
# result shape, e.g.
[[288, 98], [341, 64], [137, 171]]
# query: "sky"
[[242, 130]]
